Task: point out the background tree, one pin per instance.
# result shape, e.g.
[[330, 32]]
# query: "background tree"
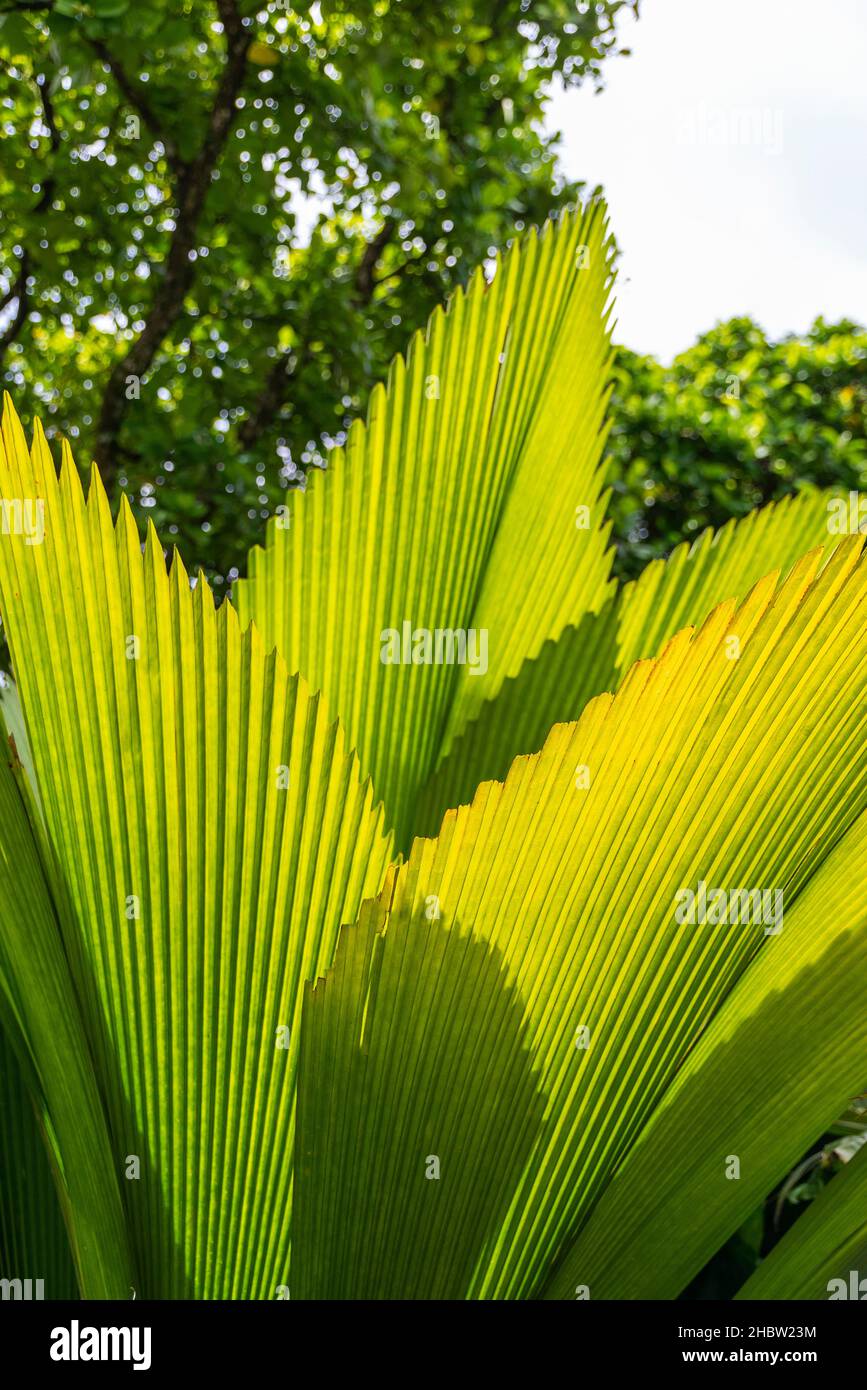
[[221, 221], [735, 421]]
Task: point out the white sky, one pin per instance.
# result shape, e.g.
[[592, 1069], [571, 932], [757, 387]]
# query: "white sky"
[[732, 146]]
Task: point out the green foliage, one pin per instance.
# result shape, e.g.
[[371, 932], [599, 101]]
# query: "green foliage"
[[159, 166], [219, 226], [271, 1044], [735, 421], [33, 1243]]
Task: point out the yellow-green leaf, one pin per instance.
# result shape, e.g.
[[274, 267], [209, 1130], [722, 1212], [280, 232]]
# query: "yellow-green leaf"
[[595, 655], [210, 831], [484, 446], [777, 1065], [736, 773]]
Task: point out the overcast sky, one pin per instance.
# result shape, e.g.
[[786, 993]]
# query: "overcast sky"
[[732, 145]]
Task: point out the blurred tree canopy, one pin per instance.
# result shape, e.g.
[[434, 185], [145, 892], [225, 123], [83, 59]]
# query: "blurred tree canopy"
[[735, 421], [220, 221]]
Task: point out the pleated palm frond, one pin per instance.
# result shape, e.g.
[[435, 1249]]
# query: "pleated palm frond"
[[301, 1047]]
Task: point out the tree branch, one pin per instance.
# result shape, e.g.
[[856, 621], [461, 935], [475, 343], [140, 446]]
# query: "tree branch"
[[365, 283], [10, 294], [267, 405], [135, 95], [178, 270], [47, 197], [271, 397], [18, 290], [402, 268]]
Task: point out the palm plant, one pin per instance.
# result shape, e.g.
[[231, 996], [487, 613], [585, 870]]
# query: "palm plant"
[[362, 978]]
